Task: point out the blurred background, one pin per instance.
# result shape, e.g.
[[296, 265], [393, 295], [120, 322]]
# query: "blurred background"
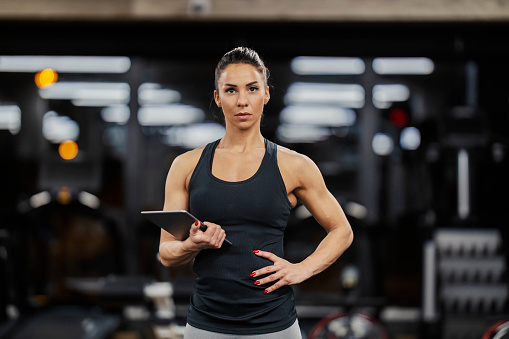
[[404, 106]]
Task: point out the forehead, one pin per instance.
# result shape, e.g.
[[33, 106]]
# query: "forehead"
[[239, 74]]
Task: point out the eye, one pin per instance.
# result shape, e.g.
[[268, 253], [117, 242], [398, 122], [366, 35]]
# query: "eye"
[[230, 90], [253, 89]]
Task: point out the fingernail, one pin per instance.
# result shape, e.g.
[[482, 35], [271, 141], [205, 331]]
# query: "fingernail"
[[266, 291], [256, 251], [196, 223], [257, 282], [253, 274]]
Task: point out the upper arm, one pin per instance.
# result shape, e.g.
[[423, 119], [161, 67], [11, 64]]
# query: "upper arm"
[[176, 195], [314, 194]]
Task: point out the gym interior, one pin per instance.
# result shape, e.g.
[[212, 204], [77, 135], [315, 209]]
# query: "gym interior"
[[406, 117]]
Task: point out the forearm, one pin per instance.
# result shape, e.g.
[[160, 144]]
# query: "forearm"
[[176, 253], [328, 251]]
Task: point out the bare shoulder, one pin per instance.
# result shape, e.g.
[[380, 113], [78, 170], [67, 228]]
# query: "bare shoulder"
[[293, 160], [183, 165], [189, 158], [298, 170]]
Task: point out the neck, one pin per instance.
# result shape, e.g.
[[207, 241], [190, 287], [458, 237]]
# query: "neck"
[[242, 139]]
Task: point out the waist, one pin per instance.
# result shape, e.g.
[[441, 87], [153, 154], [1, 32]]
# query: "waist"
[[243, 317], [224, 276], [236, 262]]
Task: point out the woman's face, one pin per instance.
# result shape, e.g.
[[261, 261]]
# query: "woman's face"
[[242, 94]]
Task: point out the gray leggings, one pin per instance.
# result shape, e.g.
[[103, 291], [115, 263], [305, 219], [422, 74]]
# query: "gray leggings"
[[292, 332]]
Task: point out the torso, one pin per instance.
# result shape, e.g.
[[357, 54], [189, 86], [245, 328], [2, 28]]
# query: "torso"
[[230, 166], [246, 195]]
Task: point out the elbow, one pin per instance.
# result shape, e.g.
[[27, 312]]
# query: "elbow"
[[168, 260], [169, 263], [348, 237], [162, 260], [163, 257]]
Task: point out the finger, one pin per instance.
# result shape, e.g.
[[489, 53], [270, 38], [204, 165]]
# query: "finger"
[[215, 231], [273, 287], [215, 234], [268, 255], [223, 237], [210, 229], [218, 237], [268, 279], [194, 227], [210, 224], [264, 270]]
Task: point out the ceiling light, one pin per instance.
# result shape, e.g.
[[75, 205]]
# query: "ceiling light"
[[344, 95], [57, 129], [382, 144], [86, 90], [153, 94], [118, 114], [410, 138], [167, 115], [307, 65], [65, 64], [192, 136], [384, 95], [318, 115], [416, 66], [10, 118], [302, 133]]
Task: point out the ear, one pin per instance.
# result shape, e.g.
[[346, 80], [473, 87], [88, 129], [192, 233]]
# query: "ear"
[[217, 99], [267, 96]]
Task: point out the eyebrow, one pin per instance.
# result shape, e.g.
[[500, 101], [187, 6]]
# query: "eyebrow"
[[232, 85]]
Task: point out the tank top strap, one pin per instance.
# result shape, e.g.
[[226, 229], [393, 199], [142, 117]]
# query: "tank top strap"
[[271, 148], [203, 165]]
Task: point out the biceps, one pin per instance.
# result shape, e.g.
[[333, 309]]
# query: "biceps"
[[176, 199], [176, 196], [323, 206], [319, 201]]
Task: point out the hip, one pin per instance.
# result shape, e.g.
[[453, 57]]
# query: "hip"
[[292, 332]]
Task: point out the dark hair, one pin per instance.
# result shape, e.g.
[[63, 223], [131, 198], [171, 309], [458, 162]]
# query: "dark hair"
[[241, 55]]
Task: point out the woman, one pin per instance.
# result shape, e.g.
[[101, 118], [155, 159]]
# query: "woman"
[[245, 186]]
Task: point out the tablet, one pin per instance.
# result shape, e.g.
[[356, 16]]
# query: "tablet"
[[176, 222]]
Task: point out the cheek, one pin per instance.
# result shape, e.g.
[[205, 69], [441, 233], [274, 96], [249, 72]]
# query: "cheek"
[[226, 103], [261, 101]]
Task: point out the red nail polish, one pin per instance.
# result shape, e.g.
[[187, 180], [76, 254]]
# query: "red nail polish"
[[196, 223], [253, 274], [257, 282], [256, 251], [266, 291]]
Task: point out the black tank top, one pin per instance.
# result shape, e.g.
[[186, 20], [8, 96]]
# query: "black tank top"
[[254, 214]]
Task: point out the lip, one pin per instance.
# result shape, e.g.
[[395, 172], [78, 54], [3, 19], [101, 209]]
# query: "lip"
[[243, 115]]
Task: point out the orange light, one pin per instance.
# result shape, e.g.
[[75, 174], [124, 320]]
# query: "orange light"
[[45, 78], [68, 150], [64, 196]]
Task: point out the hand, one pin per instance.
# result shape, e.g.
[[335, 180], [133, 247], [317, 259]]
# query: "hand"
[[212, 237], [283, 271]]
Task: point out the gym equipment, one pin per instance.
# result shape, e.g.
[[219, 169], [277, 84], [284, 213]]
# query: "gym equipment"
[[65, 278], [464, 280], [352, 323], [499, 330], [343, 325]]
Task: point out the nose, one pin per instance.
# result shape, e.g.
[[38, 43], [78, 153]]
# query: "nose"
[[242, 101]]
